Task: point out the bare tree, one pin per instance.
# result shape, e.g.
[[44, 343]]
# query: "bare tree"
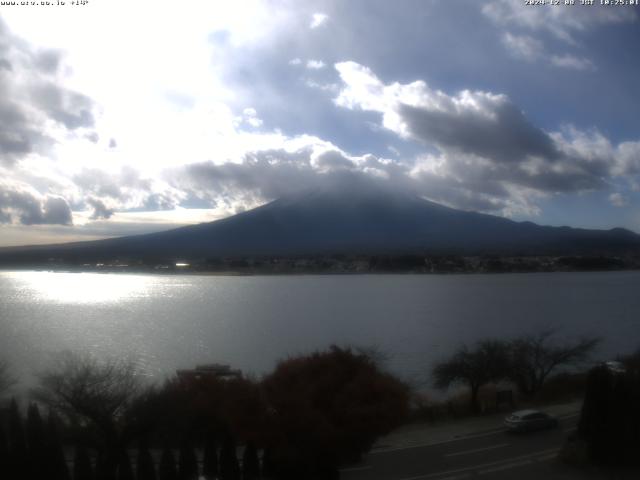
[[535, 357], [86, 389], [486, 362], [7, 381]]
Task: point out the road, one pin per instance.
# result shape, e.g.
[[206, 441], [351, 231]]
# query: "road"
[[496, 454]]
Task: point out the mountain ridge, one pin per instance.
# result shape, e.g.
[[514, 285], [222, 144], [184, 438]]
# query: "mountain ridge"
[[345, 221]]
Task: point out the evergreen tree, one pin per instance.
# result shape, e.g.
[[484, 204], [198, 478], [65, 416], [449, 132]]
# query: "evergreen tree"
[[210, 462], [82, 469], [250, 463], [17, 444], [187, 463], [57, 463], [106, 466], [610, 418], [167, 469], [145, 467], [268, 467], [229, 468], [37, 444], [4, 455], [125, 472]]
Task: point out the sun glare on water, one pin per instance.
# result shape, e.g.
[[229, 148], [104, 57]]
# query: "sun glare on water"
[[83, 287]]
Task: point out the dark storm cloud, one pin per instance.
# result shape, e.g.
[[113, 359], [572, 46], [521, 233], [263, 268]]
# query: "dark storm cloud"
[[486, 143], [333, 160], [506, 135], [20, 205], [100, 210], [31, 95], [270, 174]]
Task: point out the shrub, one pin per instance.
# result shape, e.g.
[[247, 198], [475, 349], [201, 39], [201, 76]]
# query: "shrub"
[[328, 408]]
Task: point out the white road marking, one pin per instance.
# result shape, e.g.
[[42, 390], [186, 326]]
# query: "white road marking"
[[431, 444], [355, 469], [571, 415], [457, 477], [475, 450], [506, 466], [458, 439], [511, 461]]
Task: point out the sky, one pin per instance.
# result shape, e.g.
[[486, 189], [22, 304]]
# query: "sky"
[[121, 117]]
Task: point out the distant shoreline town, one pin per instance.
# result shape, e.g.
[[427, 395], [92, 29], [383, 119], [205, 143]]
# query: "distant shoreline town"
[[350, 264]]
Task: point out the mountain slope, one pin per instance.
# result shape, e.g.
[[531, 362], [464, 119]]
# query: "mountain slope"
[[358, 221]]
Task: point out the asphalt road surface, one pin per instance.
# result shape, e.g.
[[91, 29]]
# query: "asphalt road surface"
[[496, 454]]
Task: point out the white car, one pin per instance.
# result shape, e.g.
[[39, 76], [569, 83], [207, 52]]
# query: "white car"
[[529, 420], [615, 366]]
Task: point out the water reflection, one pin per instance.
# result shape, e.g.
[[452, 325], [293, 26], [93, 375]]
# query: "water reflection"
[[81, 288]]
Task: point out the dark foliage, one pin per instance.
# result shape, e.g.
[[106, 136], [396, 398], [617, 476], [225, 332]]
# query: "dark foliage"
[[269, 468], [486, 362], [145, 469], [632, 361], [187, 463], [167, 470], [4, 453], [610, 418], [94, 392], [210, 468], [125, 472], [19, 461], [342, 397], [37, 442], [250, 463], [106, 465], [57, 462], [82, 468], [534, 357], [194, 408], [229, 468]]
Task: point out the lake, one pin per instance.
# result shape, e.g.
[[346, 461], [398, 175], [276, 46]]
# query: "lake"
[[167, 322]]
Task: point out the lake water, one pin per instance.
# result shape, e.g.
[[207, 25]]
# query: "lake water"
[[167, 322]]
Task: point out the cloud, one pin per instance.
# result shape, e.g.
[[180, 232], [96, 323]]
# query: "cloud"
[[315, 64], [572, 62], [523, 47], [33, 101], [491, 154], [318, 19], [127, 189], [470, 122], [100, 210], [564, 22], [618, 200], [530, 49], [264, 175], [250, 117], [21, 204]]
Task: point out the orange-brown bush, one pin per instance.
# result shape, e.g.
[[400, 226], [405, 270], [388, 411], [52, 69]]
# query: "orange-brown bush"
[[329, 407]]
